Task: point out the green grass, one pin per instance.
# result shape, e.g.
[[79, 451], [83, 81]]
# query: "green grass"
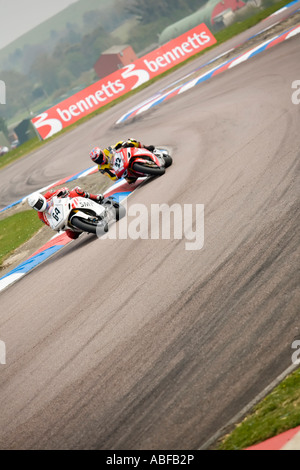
[[16, 230], [278, 412]]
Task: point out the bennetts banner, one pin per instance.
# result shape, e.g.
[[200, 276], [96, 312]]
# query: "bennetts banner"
[[122, 81]]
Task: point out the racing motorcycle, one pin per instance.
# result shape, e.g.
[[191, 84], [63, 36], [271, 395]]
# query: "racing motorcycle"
[[80, 214], [140, 162]]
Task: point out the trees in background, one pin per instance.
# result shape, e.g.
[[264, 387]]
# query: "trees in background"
[[18, 93], [148, 12], [3, 127], [52, 73], [155, 16], [51, 68]]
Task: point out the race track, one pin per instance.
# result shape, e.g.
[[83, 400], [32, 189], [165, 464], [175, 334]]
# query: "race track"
[[141, 344]]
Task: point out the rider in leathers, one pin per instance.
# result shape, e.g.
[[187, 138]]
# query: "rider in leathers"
[[41, 203], [103, 158]]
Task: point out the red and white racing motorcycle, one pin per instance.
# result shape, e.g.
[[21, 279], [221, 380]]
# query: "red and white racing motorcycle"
[[140, 162], [80, 214]]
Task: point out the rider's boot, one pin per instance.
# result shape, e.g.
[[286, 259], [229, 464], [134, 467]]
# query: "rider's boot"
[[94, 197], [130, 179]]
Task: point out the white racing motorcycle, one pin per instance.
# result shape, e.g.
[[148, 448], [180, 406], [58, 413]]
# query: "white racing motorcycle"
[[83, 215]]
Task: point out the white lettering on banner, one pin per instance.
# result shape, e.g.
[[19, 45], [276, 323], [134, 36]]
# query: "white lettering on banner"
[[142, 75], [196, 41], [90, 101], [123, 81], [54, 124]]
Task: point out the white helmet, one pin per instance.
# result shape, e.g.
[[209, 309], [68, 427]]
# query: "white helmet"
[[37, 201]]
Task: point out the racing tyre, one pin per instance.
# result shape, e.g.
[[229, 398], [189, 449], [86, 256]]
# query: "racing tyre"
[[147, 170], [168, 160], [90, 227]]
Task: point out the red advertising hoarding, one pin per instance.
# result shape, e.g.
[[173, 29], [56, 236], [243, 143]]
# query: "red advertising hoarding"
[[122, 81]]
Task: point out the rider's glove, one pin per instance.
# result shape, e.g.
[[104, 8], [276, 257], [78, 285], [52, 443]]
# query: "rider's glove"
[[130, 179], [63, 192], [80, 192], [149, 147]]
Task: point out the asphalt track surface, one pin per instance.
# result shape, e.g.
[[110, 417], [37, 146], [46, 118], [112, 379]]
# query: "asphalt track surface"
[[141, 344]]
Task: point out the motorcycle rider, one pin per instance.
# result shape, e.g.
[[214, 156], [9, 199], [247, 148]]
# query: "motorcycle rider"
[[42, 203], [103, 158]]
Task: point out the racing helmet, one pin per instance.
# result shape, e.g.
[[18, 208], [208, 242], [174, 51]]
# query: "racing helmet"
[[97, 156], [37, 201]]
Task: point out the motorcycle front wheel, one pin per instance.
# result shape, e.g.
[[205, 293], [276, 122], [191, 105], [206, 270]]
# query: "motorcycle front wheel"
[[90, 227], [148, 170], [168, 160]]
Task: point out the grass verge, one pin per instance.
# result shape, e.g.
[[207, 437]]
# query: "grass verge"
[[16, 230], [278, 412], [221, 37]]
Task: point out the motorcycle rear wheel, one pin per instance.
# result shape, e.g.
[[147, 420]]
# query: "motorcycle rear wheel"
[[168, 160], [90, 227], [147, 170]]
